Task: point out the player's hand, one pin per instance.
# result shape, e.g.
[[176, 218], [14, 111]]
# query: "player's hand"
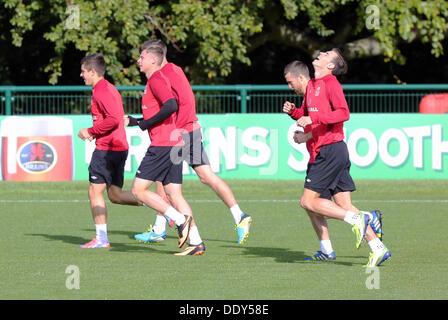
[[301, 137], [304, 121], [126, 120], [288, 107], [130, 121], [84, 134]]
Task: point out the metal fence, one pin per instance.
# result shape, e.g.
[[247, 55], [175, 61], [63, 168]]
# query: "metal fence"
[[362, 98]]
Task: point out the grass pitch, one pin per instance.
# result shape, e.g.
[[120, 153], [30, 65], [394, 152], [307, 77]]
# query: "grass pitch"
[[42, 225]]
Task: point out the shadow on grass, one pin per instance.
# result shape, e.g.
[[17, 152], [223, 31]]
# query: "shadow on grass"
[[282, 255], [115, 246], [64, 238]]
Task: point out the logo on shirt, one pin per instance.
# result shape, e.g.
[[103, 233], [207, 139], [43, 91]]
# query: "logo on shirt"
[[313, 109], [144, 107], [317, 92]]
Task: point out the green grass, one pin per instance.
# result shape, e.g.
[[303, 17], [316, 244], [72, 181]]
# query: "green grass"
[[40, 239]]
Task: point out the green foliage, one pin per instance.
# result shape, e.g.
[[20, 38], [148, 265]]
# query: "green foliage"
[[22, 20], [217, 33], [114, 28], [219, 29], [409, 20], [316, 10], [399, 21]]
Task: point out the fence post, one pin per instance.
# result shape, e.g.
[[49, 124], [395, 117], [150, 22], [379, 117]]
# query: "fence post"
[[243, 92], [8, 96]]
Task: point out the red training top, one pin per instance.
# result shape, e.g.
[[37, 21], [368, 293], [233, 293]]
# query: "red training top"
[[325, 103], [157, 92], [186, 115], [107, 113]]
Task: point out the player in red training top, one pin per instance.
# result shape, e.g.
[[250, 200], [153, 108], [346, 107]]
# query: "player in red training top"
[[162, 161], [106, 169], [193, 151], [323, 112]]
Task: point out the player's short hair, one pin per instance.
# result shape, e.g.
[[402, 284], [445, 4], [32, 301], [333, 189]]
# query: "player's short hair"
[[340, 65], [156, 47], [295, 68], [96, 62]]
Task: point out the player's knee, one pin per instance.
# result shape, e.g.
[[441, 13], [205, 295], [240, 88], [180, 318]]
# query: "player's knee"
[[205, 180], [206, 175], [203, 177], [136, 192], [92, 193], [211, 180], [112, 196], [305, 204], [114, 199]]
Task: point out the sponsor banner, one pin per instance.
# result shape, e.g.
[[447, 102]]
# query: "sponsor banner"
[[36, 148], [239, 146]]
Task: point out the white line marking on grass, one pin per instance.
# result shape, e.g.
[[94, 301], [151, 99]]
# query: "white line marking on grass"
[[244, 200], [42, 201]]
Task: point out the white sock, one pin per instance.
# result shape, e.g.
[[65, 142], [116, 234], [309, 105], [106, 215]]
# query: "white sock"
[[175, 215], [376, 245], [159, 225], [236, 213], [101, 233], [195, 238], [352, 217], [325, 246]]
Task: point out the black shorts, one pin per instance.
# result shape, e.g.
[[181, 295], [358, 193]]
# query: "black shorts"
[[161, 164], [193, 150], [107, 167], [330, 172]]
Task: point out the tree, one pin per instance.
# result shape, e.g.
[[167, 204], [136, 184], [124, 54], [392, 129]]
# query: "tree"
[[117, 28], [217, 34], [365, 27]]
